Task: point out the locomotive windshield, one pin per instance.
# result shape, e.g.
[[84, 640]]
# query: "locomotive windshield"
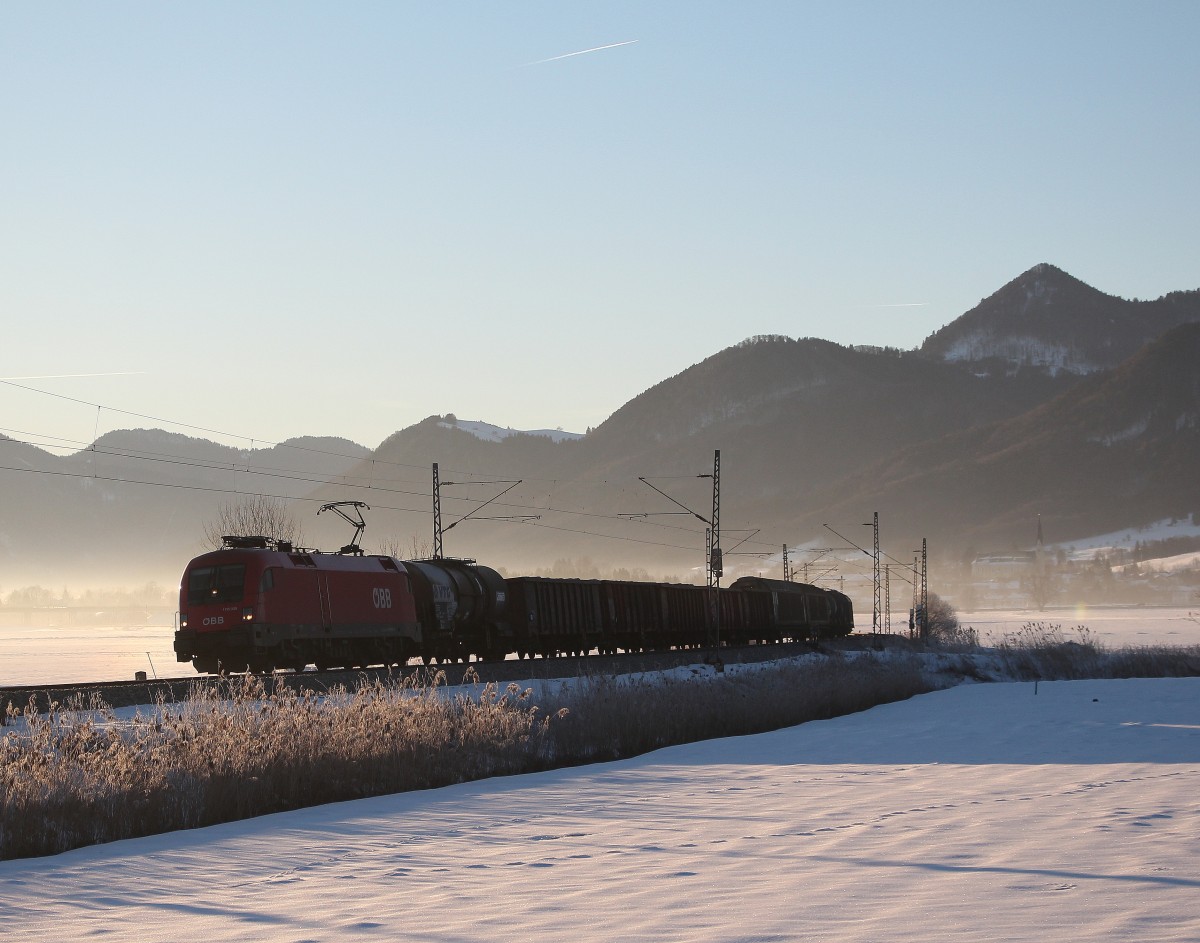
[[210, 584]]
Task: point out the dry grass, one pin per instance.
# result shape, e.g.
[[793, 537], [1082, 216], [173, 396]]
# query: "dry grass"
[[1045, 651], [618, 717], [78, 775]]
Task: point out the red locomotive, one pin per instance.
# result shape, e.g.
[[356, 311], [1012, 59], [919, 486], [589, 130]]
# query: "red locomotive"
[[259, 604]]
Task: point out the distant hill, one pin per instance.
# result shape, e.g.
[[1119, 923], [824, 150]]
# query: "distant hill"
[[790, 416], [136, 502], [1044, 399], [1121, 447], [1046, 318]]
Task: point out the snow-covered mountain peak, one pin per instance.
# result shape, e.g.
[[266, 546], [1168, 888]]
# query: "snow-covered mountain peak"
[[491, 433]]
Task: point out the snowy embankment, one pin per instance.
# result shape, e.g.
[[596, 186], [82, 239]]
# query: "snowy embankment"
[[999, 812]]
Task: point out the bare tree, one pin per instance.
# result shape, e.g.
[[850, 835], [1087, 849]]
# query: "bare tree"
[[254, 515], [418, 548]]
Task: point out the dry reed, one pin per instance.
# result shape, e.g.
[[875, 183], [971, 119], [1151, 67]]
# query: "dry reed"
[[79, 775], [1044, 651]]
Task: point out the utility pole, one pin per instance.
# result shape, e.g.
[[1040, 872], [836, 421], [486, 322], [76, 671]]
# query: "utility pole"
[[437, 508], [437, 514], [916, 598], [924, 590], [787, 570], [715, 565], [875, 579], [887, 598], [712, 542]]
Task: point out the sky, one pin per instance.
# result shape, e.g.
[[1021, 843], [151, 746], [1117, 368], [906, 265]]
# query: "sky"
[[282, 219], [985, 812]]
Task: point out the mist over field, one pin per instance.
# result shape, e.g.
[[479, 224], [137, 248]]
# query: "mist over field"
[[33, 654]]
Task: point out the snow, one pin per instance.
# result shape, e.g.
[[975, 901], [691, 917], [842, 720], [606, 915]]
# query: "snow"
[[491, 433], [1089, 547], [1113, 627], [1175, 564], [1018, 349], [1006, 812], [1123, 435], [79, 654], [73, 654]]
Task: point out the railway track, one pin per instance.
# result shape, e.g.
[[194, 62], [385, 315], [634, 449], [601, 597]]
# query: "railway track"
[[131, 693]]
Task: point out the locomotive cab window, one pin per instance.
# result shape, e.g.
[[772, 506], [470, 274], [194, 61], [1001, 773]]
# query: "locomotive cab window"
[[211, 584]]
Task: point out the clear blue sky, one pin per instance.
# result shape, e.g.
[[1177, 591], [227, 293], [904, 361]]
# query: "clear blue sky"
[[329, 218]]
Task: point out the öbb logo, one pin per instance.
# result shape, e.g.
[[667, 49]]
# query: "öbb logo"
[[382, 598], [214, 620]]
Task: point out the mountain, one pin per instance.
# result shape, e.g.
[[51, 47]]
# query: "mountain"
[[790, 417], [1121, 447], [137, 499], [491, 433], [965, 442], [1046, 318]]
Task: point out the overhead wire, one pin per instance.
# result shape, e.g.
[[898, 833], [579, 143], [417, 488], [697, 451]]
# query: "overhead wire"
[[296, 475], [346, 481], [166, 458], [266, 442]]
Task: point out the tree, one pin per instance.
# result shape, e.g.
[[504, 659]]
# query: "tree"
[[32, 596], [254, 515], [418, 548], [944, 628]]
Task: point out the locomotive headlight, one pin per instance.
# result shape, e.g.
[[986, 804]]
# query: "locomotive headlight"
[[248, 614], [183, 620]]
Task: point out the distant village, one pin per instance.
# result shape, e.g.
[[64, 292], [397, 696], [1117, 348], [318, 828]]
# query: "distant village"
[[1150, 573]]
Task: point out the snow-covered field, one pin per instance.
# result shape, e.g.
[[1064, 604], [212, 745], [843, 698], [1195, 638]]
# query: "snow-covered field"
[[86, 653], [997, 812], [1113, 627], [52, 656]]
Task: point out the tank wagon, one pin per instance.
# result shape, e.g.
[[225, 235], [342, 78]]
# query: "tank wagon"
[[259, 604]]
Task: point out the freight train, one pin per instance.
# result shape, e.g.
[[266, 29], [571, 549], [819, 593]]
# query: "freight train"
[[260, 604]]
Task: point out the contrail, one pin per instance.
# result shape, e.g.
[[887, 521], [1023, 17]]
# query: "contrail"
[[69, 376], [568, 55]]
